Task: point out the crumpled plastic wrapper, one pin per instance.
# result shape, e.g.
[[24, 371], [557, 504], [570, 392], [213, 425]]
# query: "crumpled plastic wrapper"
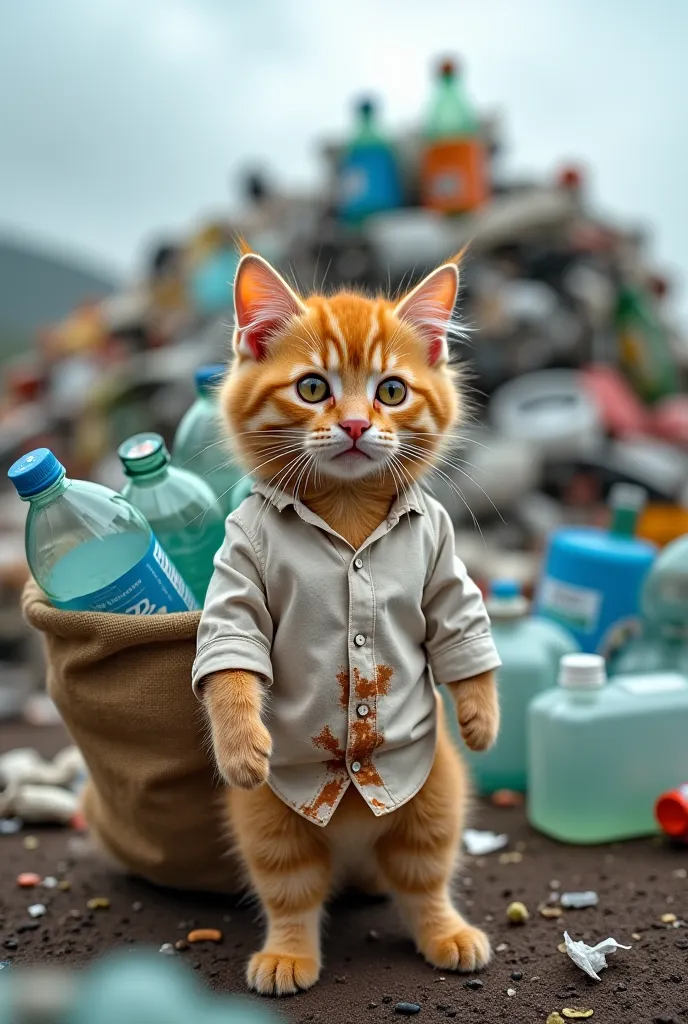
[[25, 765], [591, 958], [479, 843], [39, 804], [579, 900]]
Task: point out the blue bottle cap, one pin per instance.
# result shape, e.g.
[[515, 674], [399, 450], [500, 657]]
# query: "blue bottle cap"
[[505, 589], [208, 378], [35, 472]]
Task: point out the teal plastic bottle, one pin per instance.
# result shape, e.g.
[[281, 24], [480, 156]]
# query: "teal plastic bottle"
[[201, 445], [179, 506], [662, 645], [600, 754], [530, 649], [89, 549]]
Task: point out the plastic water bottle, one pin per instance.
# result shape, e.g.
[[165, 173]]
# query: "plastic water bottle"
[[89, 549], [600, 754], [530, 649], [180, 507], [200, 444]]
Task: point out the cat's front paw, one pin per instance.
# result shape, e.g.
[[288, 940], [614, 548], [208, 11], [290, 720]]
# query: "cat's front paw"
[[242, 753], [478, 711], [465, 949], [281, 974]]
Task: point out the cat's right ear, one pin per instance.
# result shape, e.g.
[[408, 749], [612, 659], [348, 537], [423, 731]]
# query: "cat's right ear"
[[263, 303]]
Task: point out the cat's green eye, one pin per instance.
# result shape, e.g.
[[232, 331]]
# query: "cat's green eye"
[[391, 392], [313, 389]]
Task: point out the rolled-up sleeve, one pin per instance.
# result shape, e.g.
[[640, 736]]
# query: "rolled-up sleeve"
[[235, 630], [457, 640]]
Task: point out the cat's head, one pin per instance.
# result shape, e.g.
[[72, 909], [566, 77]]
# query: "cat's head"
[[339, 388]]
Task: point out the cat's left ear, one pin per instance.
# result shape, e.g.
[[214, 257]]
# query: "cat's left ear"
[[429, 308], [263, 303]]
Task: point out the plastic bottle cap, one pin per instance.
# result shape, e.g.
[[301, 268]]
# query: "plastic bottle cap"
[[448, 68], [672, 814], [35, 472], [506, 601], [582, 671], [365, 107], [505, 589], [629, 496], [208, 377], [142, 454]]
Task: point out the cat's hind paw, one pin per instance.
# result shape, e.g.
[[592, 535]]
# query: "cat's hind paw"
[[280, 974]]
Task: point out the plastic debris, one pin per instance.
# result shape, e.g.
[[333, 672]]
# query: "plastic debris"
[[98, 903], [36, 910], [478, 843], [38, 804], [579, 900], [591, 958], [25, 765], [668, 918], [28, 879], [64, 885], [507, 798], [562, 947], [49, 882], [10, 826], [555, 1018], [167, 949], [205, 935], [549, 911], [576, 1014], [502, 947], [517, 913], [5, 964], [31, 843], [511, 991], [512, 857]]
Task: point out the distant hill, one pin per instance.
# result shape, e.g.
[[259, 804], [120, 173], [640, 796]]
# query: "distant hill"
[[37, 288]]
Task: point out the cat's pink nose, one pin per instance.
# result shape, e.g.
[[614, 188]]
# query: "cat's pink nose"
[[355, 428]]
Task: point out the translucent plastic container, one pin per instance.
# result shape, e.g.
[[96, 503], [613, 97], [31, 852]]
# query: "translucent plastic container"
[[600, 754], [180, 507], [201, 444], [530, 649], [89, 549]]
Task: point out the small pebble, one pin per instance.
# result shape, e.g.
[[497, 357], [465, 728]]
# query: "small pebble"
[[668, 918], [517, 913], [31, 843], [572, 1014], [372, 1006], [167, 948], [562, 947], [555, 1018], [474, 983], [636, 935], [181, 944], [386, 999], [549, 912], [511, 991], [502, 947], [64, 886], [11, 944], [98, 903], [28, 879], [507, 798], [49, 882], [555, 884], [516, 975], [36, 910], [10, 826], [137, 906], [205, 935], [407, 1009], [621, 987], [514, 857], [340, 979]]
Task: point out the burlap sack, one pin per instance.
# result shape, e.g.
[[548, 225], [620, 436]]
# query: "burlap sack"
[[123, 686]]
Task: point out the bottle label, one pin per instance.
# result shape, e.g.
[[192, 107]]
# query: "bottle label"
[[573, 606], [151, 587]]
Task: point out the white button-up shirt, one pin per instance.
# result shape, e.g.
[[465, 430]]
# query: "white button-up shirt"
[[351, 643]]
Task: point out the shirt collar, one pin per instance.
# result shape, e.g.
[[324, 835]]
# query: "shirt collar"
[[410, 500]]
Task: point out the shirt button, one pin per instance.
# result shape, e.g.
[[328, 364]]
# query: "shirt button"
[[362, 710], [356, 766], [359, 640], [358, 563]]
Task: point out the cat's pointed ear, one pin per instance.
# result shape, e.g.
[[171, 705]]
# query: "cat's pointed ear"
[[263, 302], [429, 308]]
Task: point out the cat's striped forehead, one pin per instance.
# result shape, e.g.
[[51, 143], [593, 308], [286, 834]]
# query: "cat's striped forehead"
[[351, 332]]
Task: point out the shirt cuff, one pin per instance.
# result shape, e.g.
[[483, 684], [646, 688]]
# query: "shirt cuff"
[[230, 653], [468, 658]]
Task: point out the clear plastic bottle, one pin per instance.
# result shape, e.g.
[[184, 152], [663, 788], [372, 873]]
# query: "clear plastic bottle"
[[530, 649], [201, 445], [600, 754], [180, 507], [89, 549]]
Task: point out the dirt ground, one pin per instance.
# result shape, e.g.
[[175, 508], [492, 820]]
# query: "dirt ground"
[[370, 965]]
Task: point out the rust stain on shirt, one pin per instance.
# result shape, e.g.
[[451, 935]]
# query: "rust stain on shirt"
[[379, 804], [343, 680], [327, 740], [364, 739], [377, 687], [327, 797]]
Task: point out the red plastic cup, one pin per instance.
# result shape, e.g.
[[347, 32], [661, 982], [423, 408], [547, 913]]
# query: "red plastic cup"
[[671, 811]]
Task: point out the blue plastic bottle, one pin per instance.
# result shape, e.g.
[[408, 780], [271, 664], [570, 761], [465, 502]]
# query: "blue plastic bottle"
[[530, 649], [89, 549], [592, 578], [368, 176]]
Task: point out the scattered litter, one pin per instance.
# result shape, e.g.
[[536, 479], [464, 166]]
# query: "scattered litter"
[[637, 936], [49, 882], [78, 822], [579, 900], [562, 947], [479, 843], [555, 1018], [474, 983], [181, 944], [591, 958], [167, 948], [515, 857], [511, 991], [65, 885], [679, 873], [502, 947], [668, 918], [576, 1014], [549, 912], [98, 903], [555, 884], [205, 935], [517, 913], [407, 1009], [31, 843], [10, 826], [507, 798], [36, 910], [38, 804], [28, 879], [25, 765]]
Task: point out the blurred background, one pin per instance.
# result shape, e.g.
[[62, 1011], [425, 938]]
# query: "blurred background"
[[353, 144]]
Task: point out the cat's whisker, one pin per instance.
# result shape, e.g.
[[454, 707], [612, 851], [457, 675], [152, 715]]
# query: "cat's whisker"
[[454, 486]]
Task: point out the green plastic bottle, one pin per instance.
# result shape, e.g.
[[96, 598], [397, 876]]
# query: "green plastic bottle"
[[645, 349], [201, 444], [662, 645], [600, 754], [530, 649], [451, 114], [179, 506]]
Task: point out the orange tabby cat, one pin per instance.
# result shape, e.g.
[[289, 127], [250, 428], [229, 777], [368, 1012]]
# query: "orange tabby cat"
[[338, 345]]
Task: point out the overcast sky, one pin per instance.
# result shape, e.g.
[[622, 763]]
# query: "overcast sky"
[[122, 120]]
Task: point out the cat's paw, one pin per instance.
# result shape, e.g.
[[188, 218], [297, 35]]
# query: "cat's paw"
[[280, 974], [466, 949], [478, 711], [242, 753]]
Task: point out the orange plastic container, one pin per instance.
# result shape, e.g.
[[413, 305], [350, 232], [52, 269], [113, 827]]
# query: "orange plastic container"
[[662, 524], [671, 811], [454, 175]]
